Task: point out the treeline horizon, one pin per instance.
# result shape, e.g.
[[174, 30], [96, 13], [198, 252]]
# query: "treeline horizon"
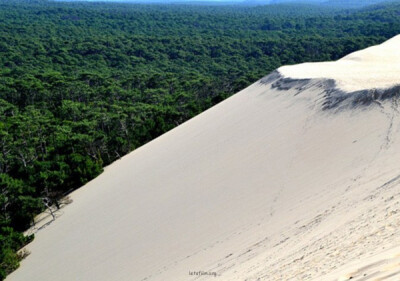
[[83, 84], [330, 3]]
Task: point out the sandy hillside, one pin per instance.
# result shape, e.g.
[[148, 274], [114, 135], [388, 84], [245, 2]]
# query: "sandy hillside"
[[296, 177]]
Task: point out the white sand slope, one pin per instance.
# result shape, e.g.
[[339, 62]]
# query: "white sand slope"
[[374, 67], [287, 180]]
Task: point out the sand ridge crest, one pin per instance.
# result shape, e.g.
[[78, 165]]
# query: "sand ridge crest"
[[376, 67]]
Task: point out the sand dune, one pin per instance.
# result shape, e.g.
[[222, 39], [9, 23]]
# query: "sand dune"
[[374, 67], [294, 178]]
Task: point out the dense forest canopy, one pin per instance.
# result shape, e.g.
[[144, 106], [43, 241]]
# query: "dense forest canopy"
[[82, 84]]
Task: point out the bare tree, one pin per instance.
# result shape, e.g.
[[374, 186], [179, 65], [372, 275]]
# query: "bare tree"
[[47, 202]]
